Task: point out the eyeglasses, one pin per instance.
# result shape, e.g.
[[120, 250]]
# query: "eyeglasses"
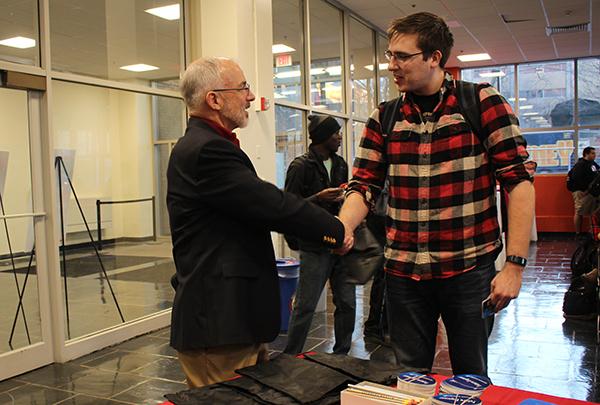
[[399, 56], [245, 87]]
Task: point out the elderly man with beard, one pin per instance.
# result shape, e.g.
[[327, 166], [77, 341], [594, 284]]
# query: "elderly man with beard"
[[221, 214]]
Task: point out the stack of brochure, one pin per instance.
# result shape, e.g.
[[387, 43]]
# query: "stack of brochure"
[[467, 384], [414, 383], [367, 393], [455, 399]]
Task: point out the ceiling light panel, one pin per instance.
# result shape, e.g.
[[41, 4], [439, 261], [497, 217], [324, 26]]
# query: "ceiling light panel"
[[170, 12], [474, 57], [139, 67], [18, 42]]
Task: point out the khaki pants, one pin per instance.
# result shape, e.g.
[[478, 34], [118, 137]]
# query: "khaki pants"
[[216, 364]]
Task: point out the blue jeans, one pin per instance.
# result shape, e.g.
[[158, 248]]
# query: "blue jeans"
[[315, 269], [415, 306]]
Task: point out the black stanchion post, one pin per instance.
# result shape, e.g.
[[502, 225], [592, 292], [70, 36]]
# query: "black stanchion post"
[[99, 224], [63, 243]]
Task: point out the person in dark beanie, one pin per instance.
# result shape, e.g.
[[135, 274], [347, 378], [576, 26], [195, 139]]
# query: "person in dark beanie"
[[317, 176]]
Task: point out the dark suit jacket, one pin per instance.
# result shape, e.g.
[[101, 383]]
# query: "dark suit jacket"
[[221, 215]]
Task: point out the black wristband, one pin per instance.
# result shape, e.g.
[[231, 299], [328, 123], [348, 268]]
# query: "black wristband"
[[521, 261]]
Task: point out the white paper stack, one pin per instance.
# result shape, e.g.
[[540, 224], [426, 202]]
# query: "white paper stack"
[[455, 399], [466, 384], [367, 393], [418, 384]]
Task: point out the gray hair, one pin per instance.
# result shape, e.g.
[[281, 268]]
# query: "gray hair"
[[199, 78]]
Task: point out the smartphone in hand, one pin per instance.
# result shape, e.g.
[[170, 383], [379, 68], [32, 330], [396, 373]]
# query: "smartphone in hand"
[[487, 308]]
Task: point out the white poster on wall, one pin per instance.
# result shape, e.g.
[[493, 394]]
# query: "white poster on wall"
[[68, 158]]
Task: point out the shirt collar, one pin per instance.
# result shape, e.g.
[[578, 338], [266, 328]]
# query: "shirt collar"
[[220, 129]]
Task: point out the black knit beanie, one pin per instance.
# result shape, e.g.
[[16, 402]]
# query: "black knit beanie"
[[321, 128]]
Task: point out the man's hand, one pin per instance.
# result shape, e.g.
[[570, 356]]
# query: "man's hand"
[[506, 285], [348, 241], [333, 194]]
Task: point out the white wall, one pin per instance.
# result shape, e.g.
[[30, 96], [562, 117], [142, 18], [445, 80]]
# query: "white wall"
[[110, 131], [16, 196], [242, 30]]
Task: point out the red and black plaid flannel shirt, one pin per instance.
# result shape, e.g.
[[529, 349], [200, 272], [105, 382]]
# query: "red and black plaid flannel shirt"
[[442, 217]]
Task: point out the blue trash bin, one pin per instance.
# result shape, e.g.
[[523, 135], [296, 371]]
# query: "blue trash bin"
[[288, 270]]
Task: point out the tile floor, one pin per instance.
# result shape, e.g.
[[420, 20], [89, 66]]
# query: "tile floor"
[[531, 348]]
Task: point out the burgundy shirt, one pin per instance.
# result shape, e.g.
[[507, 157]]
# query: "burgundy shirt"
[[221, 130]]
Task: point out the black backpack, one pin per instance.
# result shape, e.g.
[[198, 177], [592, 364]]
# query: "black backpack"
[[469, 105], [571, 186]]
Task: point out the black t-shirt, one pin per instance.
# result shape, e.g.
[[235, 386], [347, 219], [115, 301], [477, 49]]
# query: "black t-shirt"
[[426, 103]]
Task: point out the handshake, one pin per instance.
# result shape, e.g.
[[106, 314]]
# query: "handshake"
[[348, 240]]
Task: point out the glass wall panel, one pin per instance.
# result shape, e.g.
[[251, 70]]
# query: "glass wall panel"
[[19, 324], [288, 50], [362, 71], [128, 41], [326, 56], [387, 88], [588, 74], [290, 141], [547, 91], [357, 130], [588, 137], [19, 32], [501, 77], [169, 114], [106, 139], [553, 150]]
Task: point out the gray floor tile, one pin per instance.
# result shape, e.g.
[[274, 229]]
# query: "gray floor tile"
[[103, 383], [168, 369], [10, 385], [55, 375], [33, 394], [87, 400], [150, 392], [122, 361]]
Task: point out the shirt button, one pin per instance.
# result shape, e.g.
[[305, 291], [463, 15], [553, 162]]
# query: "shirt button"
[[423, 201]]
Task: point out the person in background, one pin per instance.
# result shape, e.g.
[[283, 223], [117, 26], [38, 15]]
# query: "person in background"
[[582, 175], [442, 229], [317, 176], [226, 305], [376, 325]]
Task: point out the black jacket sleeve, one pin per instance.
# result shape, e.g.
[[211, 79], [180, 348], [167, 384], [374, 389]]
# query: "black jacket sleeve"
[[225, 182]]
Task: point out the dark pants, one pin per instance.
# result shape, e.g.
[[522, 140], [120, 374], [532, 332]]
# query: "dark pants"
[[415, 306], [376, 323], [315, 269]]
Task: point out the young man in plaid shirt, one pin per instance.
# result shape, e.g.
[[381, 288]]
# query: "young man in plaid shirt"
[[441, 227]]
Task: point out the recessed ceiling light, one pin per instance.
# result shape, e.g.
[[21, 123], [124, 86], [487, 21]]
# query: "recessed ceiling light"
[[497, 73], [531, 113], [170, 12], [140, 67], [526, 107], [18, 42], [281, 48], [474, 57]]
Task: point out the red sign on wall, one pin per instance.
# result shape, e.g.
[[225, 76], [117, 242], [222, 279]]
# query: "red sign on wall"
[[283, 60]]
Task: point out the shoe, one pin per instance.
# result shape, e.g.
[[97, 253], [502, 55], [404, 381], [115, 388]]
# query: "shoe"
[[374, 337]]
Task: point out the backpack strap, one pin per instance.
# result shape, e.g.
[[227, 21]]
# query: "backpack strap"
[[470, 108], [387, 120]]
